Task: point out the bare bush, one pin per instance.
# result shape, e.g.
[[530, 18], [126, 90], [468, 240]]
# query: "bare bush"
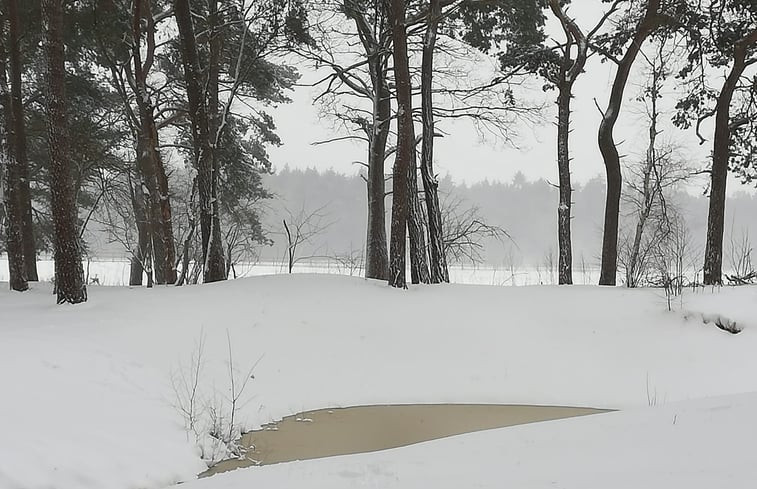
[[211, 418], [465, 232]]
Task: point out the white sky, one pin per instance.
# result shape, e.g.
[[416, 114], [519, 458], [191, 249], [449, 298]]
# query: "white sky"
[[466, 158]]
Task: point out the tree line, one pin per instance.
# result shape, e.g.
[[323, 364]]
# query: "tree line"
[[151, 117]]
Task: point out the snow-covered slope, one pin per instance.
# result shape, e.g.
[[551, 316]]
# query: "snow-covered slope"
[[87, 397]]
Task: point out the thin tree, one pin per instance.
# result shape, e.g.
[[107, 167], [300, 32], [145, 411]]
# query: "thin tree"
[[69, 275]]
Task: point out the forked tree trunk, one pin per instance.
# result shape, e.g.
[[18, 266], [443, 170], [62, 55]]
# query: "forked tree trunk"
[[403, 162], [149, 159], [609, 267], [713, 254], [570, 70], [18, 135], [212, 251], [437, 259], [565, 258], [69, 275]]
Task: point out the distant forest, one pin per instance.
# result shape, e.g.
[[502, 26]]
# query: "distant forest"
[[524, 209]]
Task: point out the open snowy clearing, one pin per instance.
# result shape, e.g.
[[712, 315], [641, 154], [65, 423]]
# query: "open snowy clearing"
[[88, 398]]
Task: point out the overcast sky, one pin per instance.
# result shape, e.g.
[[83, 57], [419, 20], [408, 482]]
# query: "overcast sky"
[[466, 158]]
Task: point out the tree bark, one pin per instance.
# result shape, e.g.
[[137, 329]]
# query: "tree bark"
[[212, 251], [713, 254], [403, 162], [10, 180], [377, 260], [608, 272], [69, 275], [565, 255], [18, 134], [437, 259], [418, 260], [142, 253]]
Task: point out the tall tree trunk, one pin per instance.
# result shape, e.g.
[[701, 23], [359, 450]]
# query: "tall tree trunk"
[[18, 134], [416, 230], [570, 70], [403, 162], [11, 188], [377, 260], [149, 159], [69, 275], [565, 258], [713, 254], [437, 258], [215, 126], [609, 267], [212, 251]]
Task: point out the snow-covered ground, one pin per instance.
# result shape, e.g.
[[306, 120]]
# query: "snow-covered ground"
[[115, 272], [88, 398]]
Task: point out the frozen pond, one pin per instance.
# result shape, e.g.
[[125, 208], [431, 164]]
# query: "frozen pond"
[[331, 432]]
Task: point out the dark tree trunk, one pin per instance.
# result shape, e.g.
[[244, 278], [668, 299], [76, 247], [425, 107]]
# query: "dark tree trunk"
[[185, 259], [142, 253], [713, 254], [374, 36], [609, 267], [568, 73], [212, 251], [215, 128], [18, 134], [416, 230], [149, 159], [437, 259], [10, 192], [565, 259], [69, 275], [377, 260], [403, 162]]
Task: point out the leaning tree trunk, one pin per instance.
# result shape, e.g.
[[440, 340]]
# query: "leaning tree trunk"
[[403, 162], [418, 261], [212, 251], [69, 275], [377, 260], [437, 258], [19, 143], [713, 254], [565, 259], [608, 272], [11, 190]]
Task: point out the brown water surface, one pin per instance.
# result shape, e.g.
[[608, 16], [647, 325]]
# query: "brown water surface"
[[360, 429]]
